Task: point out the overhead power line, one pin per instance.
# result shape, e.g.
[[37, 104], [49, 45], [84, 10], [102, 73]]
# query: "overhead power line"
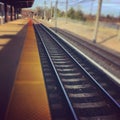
[[78, 2]]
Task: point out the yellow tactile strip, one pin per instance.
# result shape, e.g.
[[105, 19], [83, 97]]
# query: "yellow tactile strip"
[[28, 99]]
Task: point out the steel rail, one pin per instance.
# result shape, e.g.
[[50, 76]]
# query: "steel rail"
[[115, 79], [90, 48], [117, 105], [63, 89], [83, 43]]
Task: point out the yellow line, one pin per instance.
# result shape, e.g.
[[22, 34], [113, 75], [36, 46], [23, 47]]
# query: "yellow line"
[[28, 96]]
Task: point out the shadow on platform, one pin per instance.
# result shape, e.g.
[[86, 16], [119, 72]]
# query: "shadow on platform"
[[7, 36], [9, 59]]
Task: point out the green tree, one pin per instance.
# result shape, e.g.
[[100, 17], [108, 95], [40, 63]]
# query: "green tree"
[[60, 13], [79, 15], [71, 13]]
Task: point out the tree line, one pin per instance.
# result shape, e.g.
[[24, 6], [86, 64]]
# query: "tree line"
[[73, 14]]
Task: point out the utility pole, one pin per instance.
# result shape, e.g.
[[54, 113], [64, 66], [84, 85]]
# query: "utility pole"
[[51, 9], [56, 3], [97, 21], [44, 9], [54, 12], [119, 28], [66, 10]]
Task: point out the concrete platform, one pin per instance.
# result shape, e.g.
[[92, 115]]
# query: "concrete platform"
[[12, 36], [23, 95]]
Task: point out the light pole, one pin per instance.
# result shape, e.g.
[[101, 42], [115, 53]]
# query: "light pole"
[[66, 10], [97, 21], [44, 9], [51, 9], [56, 3]]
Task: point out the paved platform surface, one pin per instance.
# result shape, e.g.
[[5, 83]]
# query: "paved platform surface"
[[22, 89], [12, 37]]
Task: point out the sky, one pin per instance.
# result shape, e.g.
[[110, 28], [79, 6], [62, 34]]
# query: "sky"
[[111, 7]]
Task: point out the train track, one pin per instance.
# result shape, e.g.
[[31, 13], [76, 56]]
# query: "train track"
[[108, 59], [86, 91], [56, 97]]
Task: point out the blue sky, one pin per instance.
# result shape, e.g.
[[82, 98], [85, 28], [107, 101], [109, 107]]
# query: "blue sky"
[[111, 7]]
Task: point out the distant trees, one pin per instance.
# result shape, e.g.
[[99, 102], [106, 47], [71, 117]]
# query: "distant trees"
[[76, 14], [60, 13], [109, 18], [39, 12], [48, 11], [72, 13]]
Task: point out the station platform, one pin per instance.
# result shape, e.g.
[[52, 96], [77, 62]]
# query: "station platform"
[[22, 88]]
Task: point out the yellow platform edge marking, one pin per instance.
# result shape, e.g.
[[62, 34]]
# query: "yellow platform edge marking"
[[28, 99]]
